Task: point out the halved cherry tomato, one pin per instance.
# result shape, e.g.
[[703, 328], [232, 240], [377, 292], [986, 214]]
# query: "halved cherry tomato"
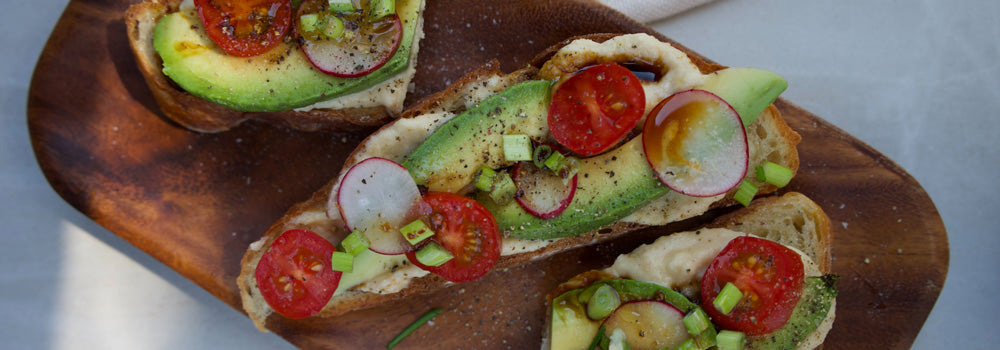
[[465, 228], [595, 108], [294, 275], [245, 27], [769, 275]]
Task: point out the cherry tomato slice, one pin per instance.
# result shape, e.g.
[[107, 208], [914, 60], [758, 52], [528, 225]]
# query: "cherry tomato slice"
[[465, 228], [769, 275], [245, 27], [294, 275], [595, 108]]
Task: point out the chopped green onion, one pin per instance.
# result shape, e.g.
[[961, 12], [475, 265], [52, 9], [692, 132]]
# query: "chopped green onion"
[[596, 343], [341, 6], [308, 22], [381, 8], [416, 232], [706, 339], [355, 243], [334, 27], [541, 154], [727, 299], [731, 340], [604, 301], [554, 161], [774, 174], [503, 190], [570, 166], [697, 321], [516, 148], [745, 193], [413, 326], [433, 255], [342, 261], [688, 345], [484, 178]]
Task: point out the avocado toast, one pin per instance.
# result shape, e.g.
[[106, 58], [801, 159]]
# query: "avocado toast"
[[202, 87], [676, 269], [473, 113]]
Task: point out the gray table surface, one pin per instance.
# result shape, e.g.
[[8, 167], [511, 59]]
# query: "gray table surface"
[[917, 80]]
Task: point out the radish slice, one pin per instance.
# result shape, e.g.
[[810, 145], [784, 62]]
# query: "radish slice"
[[648, 324], [361, 47], [543, 193], [696, 143], [377, 196]]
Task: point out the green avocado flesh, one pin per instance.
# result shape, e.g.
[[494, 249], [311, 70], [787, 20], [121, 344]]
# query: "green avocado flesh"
[[747, 90], [572, 329], [278, 80], [449, 159]]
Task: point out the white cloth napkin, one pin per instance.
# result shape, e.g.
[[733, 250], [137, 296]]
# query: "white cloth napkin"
[[647, 11]]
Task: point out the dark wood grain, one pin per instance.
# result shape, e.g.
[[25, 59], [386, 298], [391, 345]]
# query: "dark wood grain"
[[195, 201]]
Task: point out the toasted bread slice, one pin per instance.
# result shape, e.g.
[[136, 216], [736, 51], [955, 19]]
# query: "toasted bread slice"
[[791, 219], [395, 140], [200, 115]]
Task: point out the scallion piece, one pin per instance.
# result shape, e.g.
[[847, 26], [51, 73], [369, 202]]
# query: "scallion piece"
[[485, 178], [334, 27], [554, 161], [381, 8], [341, 6], [706, 339], [342, 261], [504, 189], [596, 343], [604, 301], [697, 321], [727, 299], [307, 22], [774, 174], [355, 243], [745, 193], [731, 340], [516, 148], [413, 326], [433, 255], [541, 154], [688, 345], [618, 341], [416, 232]]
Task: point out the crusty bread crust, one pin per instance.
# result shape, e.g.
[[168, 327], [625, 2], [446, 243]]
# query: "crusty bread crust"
[[200, 115], [451, 99]]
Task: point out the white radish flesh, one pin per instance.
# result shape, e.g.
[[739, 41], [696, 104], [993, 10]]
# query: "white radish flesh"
[[377, 196], [542, 192], [648, 324]]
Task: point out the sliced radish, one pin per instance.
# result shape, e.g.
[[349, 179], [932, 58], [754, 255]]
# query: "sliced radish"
[[696, 143], [360, 46], [648, 324], [542, 192], [377, 196]]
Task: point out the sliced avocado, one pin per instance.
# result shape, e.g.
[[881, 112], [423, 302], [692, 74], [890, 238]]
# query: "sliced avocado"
[[367, 265], [281, 79], [450, 157], [572, 329], [748, 90], [818, 294]]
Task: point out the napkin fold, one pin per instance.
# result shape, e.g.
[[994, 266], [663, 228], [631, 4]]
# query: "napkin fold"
[[647, 11]]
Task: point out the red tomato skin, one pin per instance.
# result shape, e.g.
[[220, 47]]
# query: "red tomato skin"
[[778, 293], [227, 23], [289, 263], [594, 109], [452, 216]]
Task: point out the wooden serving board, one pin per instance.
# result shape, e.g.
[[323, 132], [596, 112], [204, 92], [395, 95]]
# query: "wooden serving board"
[[195, 201]]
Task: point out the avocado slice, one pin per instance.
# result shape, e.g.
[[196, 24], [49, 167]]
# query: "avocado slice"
[[818, 294], [748, 90], [278, 80], [449, 158], [572, 329]]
